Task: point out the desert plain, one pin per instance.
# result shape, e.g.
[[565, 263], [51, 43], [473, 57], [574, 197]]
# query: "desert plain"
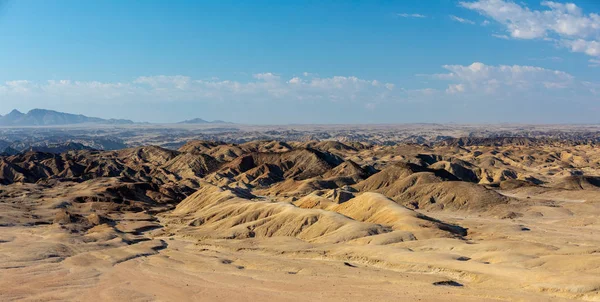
[[474, 218]]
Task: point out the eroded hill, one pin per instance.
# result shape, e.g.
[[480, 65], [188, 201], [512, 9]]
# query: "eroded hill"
[[499, 218]]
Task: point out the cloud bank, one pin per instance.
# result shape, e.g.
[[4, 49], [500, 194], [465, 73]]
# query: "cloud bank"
[[473, 84], [479, 77], [563, 23], [164, 88]]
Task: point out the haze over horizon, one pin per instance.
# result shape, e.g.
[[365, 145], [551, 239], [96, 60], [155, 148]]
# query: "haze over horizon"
[[266, 62]]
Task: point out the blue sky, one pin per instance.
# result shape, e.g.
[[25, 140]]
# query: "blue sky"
[[273, 62]]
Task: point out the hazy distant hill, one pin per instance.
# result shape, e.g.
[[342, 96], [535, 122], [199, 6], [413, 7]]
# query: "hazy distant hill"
[[201, 121], [41, 117]]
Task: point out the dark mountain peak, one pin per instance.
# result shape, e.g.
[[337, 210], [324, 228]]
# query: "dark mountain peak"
[[15, 112], [195, 121], [202, 121], [13, 116], [38, 111]]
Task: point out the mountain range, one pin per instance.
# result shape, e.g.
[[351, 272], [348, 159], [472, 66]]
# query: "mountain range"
[[201, 121], [43, 117]]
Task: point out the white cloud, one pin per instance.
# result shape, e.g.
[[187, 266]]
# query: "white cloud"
[[504, 37], [268, 77], [591, 48], [19, 86], [179, 82], [556, 85], [485, 23], [461, 20], [455, 88], [427, 91], [562, 22], [554, 59], [295, 80], [262, 86], [479, 77], [405, 15], [594, 63]]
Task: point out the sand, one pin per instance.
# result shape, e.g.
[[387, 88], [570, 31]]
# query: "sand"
[[376, 224]]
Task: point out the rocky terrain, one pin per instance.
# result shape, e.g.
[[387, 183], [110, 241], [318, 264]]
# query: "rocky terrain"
[[471, 218], [100, 136]]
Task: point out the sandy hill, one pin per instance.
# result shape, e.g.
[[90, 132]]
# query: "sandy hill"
[[216, 213], [473, 220]]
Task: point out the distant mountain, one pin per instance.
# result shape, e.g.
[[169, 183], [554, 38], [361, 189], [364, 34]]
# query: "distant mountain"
[[41, 117], [201, 121]]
